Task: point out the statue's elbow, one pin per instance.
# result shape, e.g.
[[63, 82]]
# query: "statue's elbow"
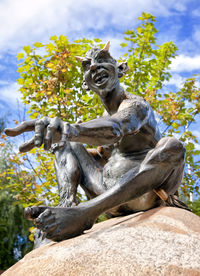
[[118, 132]]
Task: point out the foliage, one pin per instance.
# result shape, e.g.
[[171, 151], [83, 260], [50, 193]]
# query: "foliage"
[[195, 206], [51, 81], [50, 84], [149, 72], [14, 243], [14, 228]]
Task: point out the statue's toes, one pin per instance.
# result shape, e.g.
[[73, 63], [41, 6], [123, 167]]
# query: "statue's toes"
[[34, 211], [44, 219], [49, 229]]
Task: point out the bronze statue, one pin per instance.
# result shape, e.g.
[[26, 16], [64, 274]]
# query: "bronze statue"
[[133, 169]]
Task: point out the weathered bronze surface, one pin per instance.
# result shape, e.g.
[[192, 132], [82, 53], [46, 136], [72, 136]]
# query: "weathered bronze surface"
[[132, 169]]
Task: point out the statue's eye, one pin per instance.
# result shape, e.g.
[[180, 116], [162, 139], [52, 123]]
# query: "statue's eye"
[[86, 65], [100, 60]]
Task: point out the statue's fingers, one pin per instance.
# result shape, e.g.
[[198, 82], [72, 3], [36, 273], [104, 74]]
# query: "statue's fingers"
[[29, 145], [64, 135], [23, 127], [54, 125], [44, 218]]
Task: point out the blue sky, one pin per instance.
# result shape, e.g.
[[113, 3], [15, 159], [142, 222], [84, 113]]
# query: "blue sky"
[[25, 22]]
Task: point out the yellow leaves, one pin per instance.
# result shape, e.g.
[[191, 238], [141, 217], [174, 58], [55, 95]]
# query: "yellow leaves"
[[33, 151], [34, 115], [20, 56], [32, 231], [139, 30], [38, 44], [27, 49], [2, 144], [3, 136], [67, 91], [63, 70], [50, 65], [54, 38]]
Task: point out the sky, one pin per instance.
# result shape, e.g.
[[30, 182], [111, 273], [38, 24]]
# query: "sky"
[[26, 22]]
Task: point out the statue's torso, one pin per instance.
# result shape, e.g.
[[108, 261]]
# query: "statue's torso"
[[129, 153]]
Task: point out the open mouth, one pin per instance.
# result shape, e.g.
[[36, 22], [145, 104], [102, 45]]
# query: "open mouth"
[[100, 78]]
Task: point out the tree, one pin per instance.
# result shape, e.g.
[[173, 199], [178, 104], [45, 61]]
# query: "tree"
[[14, 231], [50, 79], [14, 228], [149, 70]]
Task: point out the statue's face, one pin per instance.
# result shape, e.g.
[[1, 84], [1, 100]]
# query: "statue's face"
[[100, 71]]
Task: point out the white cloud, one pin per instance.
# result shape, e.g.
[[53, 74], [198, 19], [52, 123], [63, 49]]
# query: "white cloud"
[[176, 80], [196, 133], [25, 22], [3, 82], [196, 34], [196, 12], [197, 146], [184, 63], [10, 94]]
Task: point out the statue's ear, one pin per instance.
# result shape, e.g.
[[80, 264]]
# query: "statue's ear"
[[122, 69], [84, 85]]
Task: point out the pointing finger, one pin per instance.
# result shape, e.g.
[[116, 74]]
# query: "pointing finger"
[[23, 127]]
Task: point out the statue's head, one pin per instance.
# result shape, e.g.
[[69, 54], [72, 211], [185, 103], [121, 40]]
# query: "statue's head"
[[101, 72]]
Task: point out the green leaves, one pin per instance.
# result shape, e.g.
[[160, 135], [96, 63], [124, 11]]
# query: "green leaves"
[[50, 82], [149, 65], [148, 62]]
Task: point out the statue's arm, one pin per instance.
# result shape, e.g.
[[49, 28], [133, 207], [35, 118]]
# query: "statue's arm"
[[131, 116]]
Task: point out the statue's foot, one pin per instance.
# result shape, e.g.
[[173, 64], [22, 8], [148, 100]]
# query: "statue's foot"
[[60, 223]]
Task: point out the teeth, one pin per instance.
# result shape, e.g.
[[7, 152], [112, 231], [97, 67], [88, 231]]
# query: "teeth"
[[99, 79]]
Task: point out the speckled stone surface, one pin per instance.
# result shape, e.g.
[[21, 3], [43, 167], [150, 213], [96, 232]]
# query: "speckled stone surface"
[[161, 241]]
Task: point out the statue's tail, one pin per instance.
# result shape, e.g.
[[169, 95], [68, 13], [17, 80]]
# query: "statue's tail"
[[174, 201], [171, 200]]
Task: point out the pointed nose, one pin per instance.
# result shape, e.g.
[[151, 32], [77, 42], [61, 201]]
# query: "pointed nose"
[[93, 66]]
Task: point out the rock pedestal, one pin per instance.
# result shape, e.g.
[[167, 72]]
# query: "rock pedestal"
[[161, 241]]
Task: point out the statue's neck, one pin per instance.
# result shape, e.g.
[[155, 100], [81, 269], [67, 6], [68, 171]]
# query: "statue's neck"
[[113, 99]]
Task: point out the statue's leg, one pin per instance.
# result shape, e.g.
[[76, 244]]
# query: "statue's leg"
[[166, 161], [74, 166], [161, 168], [68, 175], [92, 171]]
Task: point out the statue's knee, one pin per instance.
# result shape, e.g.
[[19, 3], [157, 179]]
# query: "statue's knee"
[[173, 147]]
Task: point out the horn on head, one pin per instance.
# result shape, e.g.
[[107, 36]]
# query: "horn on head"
[[79, 58], [107, 46]]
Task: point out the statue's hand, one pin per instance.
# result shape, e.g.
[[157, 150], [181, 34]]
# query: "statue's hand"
[[47, 131], [59, 223]]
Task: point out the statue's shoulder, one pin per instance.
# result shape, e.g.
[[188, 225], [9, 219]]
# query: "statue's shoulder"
[[131, 100]]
